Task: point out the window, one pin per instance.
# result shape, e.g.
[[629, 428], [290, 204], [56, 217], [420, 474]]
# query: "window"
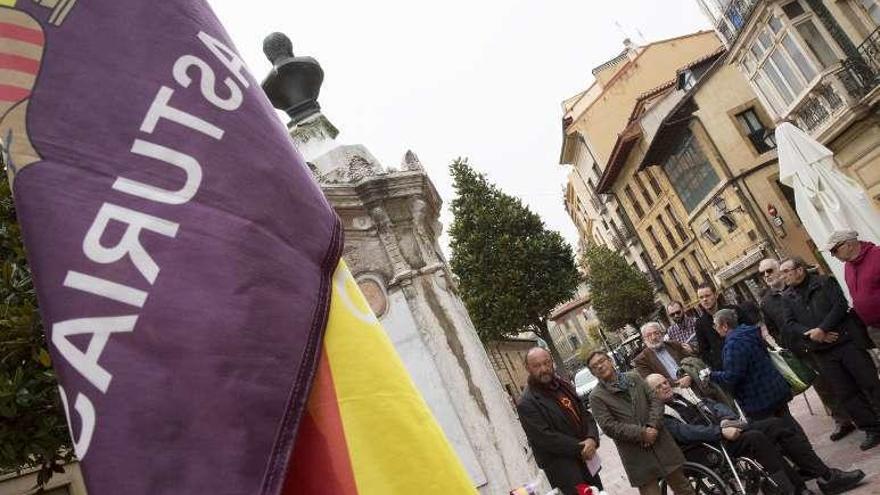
[[690, 173], [725, 214], [682, 234], [667, 233], [872, 7], [643, 189], [635, 202], [687, 80], [653, 180], [656, 242], [787, 56], [596, 171], [708, 231], [692, 279], [762, 138], [704, 276], [682, 293], [573, 340]]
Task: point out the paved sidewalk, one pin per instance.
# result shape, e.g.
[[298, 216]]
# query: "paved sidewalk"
[[844, 454]]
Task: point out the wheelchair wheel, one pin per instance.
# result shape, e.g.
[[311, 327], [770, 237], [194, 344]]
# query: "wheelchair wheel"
[[703, 480], [755, 477]]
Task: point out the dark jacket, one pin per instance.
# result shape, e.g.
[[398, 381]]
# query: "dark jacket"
[[687, 425], [647, 362], [773, 315], [623, 414], [708, 340], [818, 302], [749, 372], [554, 438]]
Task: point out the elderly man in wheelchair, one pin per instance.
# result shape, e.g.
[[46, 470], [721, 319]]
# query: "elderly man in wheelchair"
[[729, 456]]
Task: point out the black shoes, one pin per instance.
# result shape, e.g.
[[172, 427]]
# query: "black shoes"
[[842, 430], [840, 481], [872, 439]]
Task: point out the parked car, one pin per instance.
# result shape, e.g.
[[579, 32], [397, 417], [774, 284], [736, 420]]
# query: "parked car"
[[584, 382]]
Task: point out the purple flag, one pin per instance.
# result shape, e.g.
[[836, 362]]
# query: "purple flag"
[[180, 248]]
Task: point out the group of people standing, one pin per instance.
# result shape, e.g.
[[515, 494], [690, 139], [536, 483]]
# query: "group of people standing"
[[721, 354]]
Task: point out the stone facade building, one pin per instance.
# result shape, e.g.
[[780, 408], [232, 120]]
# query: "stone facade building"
[[592, 121], [508, 358], [815, 63]]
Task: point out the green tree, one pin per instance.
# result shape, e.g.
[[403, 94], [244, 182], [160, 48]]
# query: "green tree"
[[33, 429], [621, 294], [513, 271]]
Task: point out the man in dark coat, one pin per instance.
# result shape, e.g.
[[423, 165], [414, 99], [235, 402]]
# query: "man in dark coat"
[[817, 310], [773, 315], [709, 344], [763, 393], [561, 431]]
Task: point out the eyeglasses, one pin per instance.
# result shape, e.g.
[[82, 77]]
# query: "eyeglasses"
[[836, 247], [789, 270], [675, 314]]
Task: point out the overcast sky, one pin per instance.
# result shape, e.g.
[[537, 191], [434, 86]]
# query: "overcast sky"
[[482, 79]]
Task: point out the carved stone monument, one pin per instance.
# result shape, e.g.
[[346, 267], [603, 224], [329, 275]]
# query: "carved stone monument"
[[391, 230]]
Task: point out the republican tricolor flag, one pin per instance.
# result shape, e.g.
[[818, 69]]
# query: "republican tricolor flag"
[[207, 337]]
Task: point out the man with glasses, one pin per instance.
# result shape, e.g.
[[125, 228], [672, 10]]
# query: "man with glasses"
[[683, 328], [817, 309], [631, 414], [773, 312], [862, 272], [661, 357], [762, 392]]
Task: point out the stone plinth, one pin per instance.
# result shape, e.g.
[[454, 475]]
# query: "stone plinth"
[[391, 231]]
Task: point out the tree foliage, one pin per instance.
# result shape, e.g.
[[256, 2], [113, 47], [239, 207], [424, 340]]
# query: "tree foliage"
[[621, 294], [33, 429], [513, 271]]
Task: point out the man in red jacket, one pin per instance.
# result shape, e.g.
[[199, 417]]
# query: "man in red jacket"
[[861, 270]]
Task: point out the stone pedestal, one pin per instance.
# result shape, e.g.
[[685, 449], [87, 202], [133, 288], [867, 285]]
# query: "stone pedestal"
[[391, 231]]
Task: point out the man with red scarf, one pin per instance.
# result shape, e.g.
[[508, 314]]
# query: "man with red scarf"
[[862, 272], [560, 429]]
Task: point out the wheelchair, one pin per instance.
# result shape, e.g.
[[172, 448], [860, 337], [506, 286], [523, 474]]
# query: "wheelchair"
[[712, 471]]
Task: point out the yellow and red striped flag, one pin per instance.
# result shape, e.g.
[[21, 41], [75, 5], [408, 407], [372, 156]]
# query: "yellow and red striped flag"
[[367, 429]]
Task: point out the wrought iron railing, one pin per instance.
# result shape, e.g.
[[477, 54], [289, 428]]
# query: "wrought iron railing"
[[735, 18], [856, 77]]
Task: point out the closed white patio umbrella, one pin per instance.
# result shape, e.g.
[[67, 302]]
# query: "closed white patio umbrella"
[[825, 198]]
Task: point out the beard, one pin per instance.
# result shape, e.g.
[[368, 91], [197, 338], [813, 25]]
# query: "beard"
[[654, 346]]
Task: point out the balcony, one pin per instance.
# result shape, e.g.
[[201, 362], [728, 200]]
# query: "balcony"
[[616, 243], [840, 89], [598, 203], [656, 279], [734, 19]]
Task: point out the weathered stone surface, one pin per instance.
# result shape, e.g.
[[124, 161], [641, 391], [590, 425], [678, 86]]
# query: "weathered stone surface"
[[391, 232]]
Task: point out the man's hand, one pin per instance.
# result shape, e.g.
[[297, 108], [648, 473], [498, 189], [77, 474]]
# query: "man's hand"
[[688, 348], [816, 334], [730, 433], [684, 382], [649, 436], [589, 449], [831, 337]]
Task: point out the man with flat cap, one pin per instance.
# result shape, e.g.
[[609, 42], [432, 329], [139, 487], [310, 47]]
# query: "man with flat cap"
[[862, 272]]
